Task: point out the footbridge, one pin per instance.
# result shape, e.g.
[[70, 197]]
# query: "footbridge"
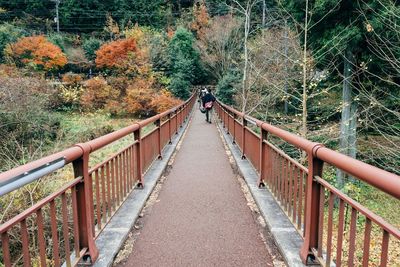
[[184, 192]]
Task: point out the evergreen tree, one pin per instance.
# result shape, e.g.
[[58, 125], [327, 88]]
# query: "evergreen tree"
[[226, 87], [185, 61]]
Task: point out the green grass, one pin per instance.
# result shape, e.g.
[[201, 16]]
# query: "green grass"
[[82, 127]]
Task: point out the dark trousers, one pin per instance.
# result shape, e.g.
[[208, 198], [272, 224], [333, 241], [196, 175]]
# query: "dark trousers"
[[208, 115]]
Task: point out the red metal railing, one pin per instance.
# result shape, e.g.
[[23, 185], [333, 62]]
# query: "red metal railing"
[[63, 226], [315, 207]]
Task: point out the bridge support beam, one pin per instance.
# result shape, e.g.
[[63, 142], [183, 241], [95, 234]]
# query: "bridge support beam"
[[312, 239]]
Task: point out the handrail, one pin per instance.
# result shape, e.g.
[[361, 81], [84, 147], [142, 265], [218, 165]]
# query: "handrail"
[[75, 152], [87, 203], [381, 179], [303, 194]]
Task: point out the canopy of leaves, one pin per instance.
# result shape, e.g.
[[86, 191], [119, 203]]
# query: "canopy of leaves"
[[90, 15], [185, 66], [90, 46], [115, 54], [226, 87], [36, 51]]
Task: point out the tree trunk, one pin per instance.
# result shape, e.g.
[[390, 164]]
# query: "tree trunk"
[[263, 14], [286, 69], [348, 123], [246, 59], [305, 96]]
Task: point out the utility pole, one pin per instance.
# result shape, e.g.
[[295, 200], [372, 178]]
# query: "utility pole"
[[57, 19]]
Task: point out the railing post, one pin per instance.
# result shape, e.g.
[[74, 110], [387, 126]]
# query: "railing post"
[[85, 206], [169, 128], [234, 128], [229, 118], [263, 136], [311, 223], [177, 121], [158, 125], [244, 136], [181, 112], [223, 117], [138, 137]]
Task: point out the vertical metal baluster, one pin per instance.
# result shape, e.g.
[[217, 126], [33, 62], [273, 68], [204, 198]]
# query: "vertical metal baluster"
[[65, 229], [54, 234]]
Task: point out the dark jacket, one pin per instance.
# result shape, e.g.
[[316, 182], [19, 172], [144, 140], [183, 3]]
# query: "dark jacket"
[[207, 98]]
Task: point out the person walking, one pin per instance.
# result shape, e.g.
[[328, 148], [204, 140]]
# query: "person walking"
[[202, 93], [208, 101]]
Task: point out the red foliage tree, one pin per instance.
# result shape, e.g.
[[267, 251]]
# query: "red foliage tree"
[[37, 51], [115, 54]]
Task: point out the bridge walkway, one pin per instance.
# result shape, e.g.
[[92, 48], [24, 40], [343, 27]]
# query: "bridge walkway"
[[201, 217]]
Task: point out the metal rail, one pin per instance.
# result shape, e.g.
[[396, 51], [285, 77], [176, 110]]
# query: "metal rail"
[[87, 203], [309, 201]]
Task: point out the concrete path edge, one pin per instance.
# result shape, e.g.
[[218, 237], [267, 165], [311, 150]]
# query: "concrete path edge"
[[114, 235], [286, 237]]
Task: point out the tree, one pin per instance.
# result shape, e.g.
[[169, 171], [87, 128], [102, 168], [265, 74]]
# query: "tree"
[[185, 66], [220, 45], [115, 54], [158, 50], [97, 94], [245, 10], [201, 19], [9, 34], [36, 51], [180, 86], [227, 86], [379, 93], [343, 38], [90, 46]]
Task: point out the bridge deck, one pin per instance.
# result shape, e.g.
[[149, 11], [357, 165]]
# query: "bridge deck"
[[201, 218]]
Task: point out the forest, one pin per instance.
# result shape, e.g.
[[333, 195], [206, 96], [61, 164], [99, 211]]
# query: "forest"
[[328, 70]]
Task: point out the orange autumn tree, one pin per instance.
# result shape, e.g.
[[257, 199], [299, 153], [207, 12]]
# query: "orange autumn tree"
[[201, 19], [36, 51], [115, 54], [163, 101]]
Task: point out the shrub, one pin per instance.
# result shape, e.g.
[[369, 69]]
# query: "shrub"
[[90, 46], [58, 40], [70, 78], [115, 54], [36, 51], [68, 97], [119, 83], [138, 97], [26, 123], [97, 93], [164, 101], [9, 34]]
